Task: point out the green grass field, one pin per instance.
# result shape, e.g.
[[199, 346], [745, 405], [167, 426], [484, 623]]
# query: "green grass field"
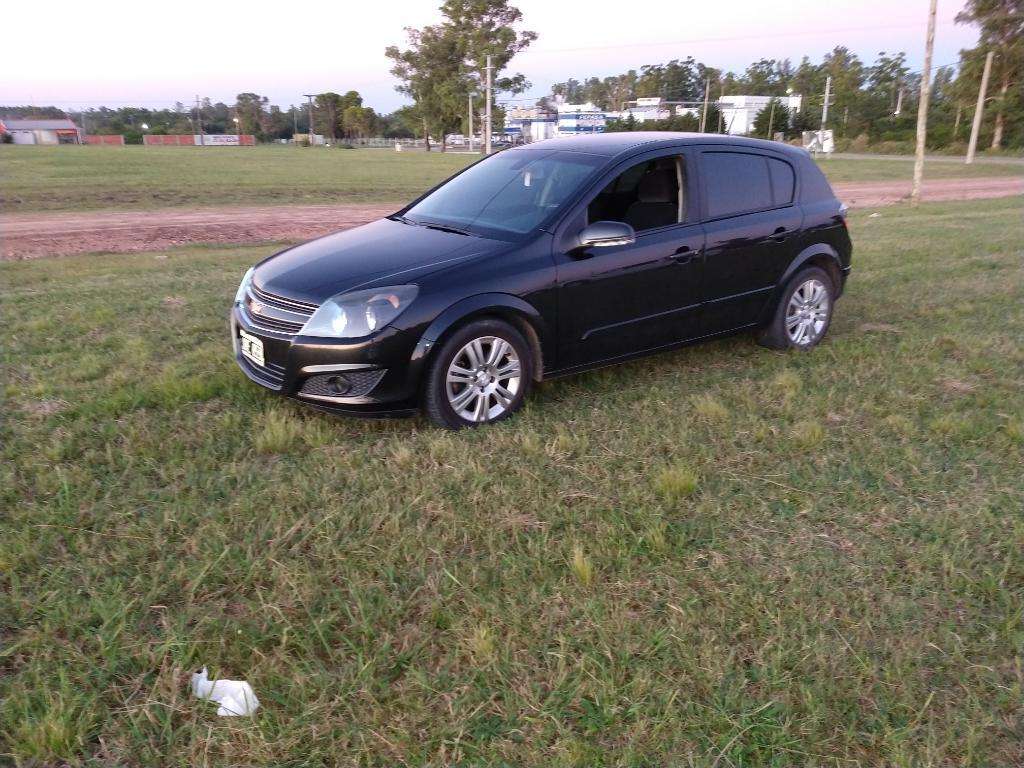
[[85, 178], [721, 556]]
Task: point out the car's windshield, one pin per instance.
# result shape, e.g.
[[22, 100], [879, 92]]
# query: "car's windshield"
[[509, 194]]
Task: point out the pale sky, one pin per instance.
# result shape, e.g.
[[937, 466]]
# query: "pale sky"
[[76, 54]]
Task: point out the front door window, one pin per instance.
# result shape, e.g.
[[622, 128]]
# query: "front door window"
[[646, 196]]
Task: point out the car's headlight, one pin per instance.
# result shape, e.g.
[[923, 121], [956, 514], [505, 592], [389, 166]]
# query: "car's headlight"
[[360, 313], [246, 282]]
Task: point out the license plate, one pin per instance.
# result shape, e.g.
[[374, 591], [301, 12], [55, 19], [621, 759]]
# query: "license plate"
[[251, 347]]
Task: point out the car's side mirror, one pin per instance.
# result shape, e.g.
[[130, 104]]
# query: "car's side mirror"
[[602, 234]]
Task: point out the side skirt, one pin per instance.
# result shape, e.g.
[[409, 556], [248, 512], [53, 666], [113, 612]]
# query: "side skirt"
[[557, 374]]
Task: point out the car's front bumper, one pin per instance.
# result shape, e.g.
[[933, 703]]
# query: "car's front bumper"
[[372, 377]]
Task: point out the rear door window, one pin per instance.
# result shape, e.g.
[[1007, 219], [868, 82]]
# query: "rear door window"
[[736, 183]]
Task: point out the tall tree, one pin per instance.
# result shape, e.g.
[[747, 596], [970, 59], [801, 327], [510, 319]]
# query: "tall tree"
[[488, 27], [251, 111], [359, 121], [1002, 31], [327, 114], [430, 72], [774, 118], [445, 62]]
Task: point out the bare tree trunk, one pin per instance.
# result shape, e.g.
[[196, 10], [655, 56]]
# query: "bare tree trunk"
[[426, 134], [997, 134]]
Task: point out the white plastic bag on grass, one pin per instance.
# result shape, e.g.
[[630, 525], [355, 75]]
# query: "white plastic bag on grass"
[[236, 697]]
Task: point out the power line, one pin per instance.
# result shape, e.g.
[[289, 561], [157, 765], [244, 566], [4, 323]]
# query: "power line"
[[736, 38]]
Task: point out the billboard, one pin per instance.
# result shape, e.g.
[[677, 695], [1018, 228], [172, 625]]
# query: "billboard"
[[195, 140]]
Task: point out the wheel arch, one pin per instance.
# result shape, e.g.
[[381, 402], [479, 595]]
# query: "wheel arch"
[[820, 255], [519, 313]]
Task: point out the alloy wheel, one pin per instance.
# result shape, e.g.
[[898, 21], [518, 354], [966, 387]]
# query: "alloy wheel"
[[807, 312], [483, 379]]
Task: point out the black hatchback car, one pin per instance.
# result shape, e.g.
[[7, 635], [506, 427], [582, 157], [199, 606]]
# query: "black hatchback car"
[[545, 260]]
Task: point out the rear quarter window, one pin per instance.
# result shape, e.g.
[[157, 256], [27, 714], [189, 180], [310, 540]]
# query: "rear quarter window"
[[814, 187], [783, 181]]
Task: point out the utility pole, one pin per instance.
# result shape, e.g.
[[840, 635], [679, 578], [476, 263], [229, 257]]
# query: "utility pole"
[[771, 120], [310, 97], [922, 106], [470, 112], [721, 116], [487, 110], [295, 122], [199, 120], [824, 107], [976, 125], [704, 114]]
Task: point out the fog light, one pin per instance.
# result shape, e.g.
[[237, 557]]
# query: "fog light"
[[339, 385]]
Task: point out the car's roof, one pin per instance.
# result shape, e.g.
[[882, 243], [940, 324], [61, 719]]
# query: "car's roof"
[[619, 143]]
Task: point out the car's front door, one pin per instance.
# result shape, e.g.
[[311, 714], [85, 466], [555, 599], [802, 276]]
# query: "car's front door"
[[618, 300]]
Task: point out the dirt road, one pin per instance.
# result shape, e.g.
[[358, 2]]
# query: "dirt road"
[[30, 236]]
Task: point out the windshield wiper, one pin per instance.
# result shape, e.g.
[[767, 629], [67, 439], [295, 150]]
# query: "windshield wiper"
[[445, 228], [403, 219]]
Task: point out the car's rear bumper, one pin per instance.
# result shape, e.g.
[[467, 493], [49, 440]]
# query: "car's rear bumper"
[[844, 275], [372, 377]]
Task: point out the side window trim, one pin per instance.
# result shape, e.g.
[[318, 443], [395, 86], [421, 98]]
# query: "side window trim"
[[681, 197], [713, 150]]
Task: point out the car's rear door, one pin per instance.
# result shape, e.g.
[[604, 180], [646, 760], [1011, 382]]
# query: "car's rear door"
[[619, 300], [752, 226]]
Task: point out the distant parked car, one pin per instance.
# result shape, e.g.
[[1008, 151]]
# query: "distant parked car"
[[546, 260]]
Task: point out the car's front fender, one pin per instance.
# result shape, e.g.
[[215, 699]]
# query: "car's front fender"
[[503, 305]]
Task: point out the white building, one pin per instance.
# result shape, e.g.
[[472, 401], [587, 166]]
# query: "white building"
[[643, 110], [574, 119], [530, 124], [739, 112], [41, 131]]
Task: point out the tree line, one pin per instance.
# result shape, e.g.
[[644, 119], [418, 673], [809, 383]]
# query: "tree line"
[[335, 116], [870, 102], [443, 65]]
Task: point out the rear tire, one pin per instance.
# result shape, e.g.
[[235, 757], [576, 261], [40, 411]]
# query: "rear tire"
[[480, 375], [804, 313]]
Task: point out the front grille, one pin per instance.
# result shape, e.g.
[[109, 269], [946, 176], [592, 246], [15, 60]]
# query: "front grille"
[[277, 314], [270, 375], [283, 302], [342, 384]]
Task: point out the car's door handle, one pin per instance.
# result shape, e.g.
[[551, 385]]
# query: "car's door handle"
[[779, 234], [683, 254]]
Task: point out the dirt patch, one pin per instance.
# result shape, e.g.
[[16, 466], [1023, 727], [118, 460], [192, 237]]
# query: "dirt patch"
[[879, 328], [32, 236], [868, 194], [44, 408], [955, 387]]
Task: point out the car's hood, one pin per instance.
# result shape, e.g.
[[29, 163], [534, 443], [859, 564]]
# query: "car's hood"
[[382, 250]]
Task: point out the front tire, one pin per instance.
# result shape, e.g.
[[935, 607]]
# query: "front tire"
[[804, 313], [480, 375]]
